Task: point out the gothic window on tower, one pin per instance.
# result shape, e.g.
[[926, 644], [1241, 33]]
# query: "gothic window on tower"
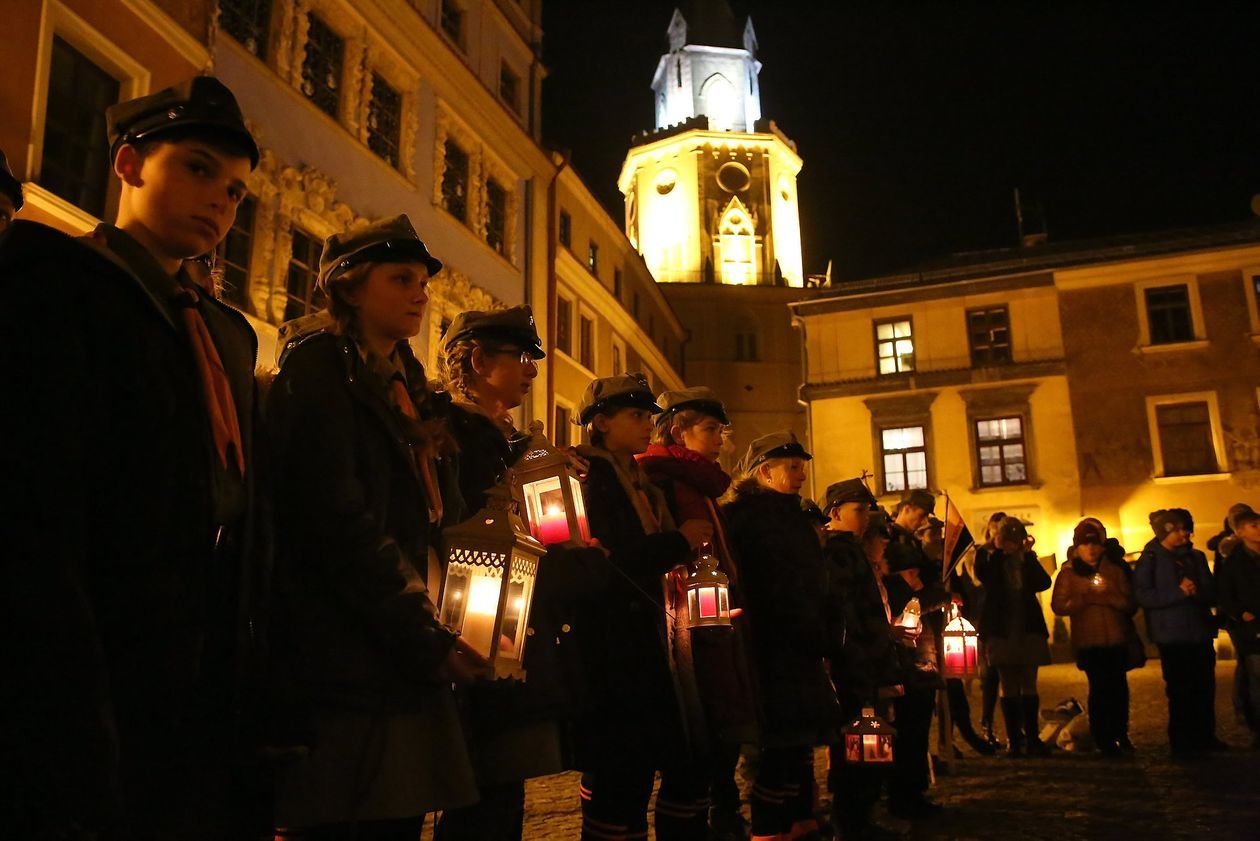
[[720, 103], [321, 68], [894, 346], [737, 246], [455, 181]]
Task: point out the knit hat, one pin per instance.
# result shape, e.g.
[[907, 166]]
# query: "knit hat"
[[1086, 532], [1240, 514], [1167, 520]]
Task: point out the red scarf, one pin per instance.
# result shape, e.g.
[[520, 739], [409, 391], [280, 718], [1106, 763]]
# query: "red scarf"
[[220, 406]]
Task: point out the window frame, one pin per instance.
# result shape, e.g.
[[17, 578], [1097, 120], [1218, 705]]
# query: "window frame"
[[587, 339], [339, 103], [884, 452], [1154, 402], [564, 324], [311, 303], [460, 16], [499, 229], [264, 44], [894, 320], [563, 433], [1191, 282], [449, 144], [1251, 290], [990, 346], [393, 140], [1001, 444], [512, 99], [564, 229], [242, 299]]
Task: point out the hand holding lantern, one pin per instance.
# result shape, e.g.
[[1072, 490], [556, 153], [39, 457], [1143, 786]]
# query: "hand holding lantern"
[[962, 646], [708, 593]]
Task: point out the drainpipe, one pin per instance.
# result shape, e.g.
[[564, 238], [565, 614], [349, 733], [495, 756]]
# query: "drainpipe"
[[553, 215]]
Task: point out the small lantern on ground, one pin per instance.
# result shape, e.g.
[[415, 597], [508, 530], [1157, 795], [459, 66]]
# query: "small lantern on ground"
[[554, 507], [962, 648], [868, 739], [708, 593], [492, 564]]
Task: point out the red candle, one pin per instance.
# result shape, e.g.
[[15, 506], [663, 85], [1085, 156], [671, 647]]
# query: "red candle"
[[708, 603], [553, 526]]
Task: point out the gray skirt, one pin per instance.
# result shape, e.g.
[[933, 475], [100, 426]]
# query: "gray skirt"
[[386, 767], [1020, 650]]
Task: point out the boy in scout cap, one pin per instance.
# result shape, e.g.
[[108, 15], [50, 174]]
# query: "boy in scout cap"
[[129, 582], [784, 575], [713, 671], [364, 482], [630, 726], [10, 193]]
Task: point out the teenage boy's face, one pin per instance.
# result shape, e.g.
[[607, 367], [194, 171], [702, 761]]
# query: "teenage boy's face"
[[627, 430], [7, 210], [185, 193], [704, 438]]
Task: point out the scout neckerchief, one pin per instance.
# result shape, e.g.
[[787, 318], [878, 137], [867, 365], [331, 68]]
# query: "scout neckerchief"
[[220, 407], [392, 372]]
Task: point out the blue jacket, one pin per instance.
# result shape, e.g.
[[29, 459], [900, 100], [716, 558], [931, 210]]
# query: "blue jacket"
[[1171, 615]]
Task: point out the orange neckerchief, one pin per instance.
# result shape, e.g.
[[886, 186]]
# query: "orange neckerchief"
[[220, 406], [398, 390]]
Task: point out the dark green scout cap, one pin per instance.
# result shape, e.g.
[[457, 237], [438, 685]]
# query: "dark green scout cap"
[[9, 185], [849, 490], [515, 324], [201, 102], [701, 398], [921, 499], [391, 240], [775, 445], [621, 391]]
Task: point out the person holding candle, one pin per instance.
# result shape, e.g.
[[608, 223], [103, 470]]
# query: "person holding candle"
[[1097, 597], [711, 663], [361, 465], [516, 729], [1014, 631], [784, 576], [629, 725]]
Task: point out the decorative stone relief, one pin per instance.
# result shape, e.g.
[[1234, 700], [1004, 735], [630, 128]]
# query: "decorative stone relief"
[[451, 293]]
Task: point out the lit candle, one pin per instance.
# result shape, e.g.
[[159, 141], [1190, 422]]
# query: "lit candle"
[[552, 526], [708, 602], [1097, 580], [483, 605]]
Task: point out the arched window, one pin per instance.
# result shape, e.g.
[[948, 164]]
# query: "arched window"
[[720, 103], [737, 246]]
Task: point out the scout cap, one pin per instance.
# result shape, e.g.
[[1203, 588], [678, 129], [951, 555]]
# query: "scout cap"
[[775, 445], [921, 499], [1086, 532], [390, 240], [619, 392], [811, 510], [201, 102], [701, 398], [849, 490], [9, 185], [1240, 514], [515, 324]]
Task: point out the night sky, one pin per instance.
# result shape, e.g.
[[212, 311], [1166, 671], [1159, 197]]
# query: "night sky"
[[917, 120]]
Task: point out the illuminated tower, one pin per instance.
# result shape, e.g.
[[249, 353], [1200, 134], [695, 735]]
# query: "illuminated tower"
[[711, 205], [711, 193]]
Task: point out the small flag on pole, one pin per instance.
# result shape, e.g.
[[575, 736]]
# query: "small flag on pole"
[[957, 536]]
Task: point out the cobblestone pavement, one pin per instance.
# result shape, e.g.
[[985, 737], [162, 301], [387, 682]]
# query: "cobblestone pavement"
[[1063, 797]]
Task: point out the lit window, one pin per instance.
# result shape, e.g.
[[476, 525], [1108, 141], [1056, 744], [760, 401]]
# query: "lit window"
[[894, 346], [592, 259], [1185, 439], [905, 459], [233, 254], [247, 21], [321, 69], [496, 216], [990, 333], [1000, 450], [76, 164], [384, 120], [1168, 313], [455, 181], [302, 296]]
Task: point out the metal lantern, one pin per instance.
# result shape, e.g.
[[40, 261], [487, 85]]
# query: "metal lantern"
[[962, 648], [491, 567], [868, 739], [549, 487], [911, 615], [708, 594]]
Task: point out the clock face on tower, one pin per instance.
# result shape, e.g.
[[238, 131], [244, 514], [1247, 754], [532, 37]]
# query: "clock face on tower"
[[733, 177]]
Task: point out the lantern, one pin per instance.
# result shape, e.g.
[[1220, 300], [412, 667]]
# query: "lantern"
[[910, 617], [708, 594], [868, 739], [491, 567], [1096, 580], [554, 507], [961, 643]]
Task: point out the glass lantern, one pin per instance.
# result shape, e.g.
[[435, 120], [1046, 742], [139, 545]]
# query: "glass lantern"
[[554, 507], [962, 648], [868, 739], [911, 615], [708, 593], [491, 566]]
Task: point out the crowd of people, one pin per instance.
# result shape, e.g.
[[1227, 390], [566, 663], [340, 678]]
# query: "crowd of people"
[[218, 593]]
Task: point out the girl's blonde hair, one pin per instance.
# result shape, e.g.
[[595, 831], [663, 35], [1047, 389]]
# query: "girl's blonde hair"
[[663, 429], [344, 315]]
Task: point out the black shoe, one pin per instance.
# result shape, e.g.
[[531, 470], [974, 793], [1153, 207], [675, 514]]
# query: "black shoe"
[[1126, 745], [977, 744], [1014, 717], [917, 808], [986, 733], [1111, 751]]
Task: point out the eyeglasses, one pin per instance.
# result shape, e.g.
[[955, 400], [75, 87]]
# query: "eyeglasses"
[[525, 357]]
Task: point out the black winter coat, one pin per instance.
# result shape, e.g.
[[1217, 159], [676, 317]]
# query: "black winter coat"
[[126, 634], [630, 702], [1000, 600], [860, 646], [1238, 592], [785, 587], [354, 625]]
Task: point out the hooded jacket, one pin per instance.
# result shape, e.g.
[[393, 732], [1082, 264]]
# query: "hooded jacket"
[[1171, 615]]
